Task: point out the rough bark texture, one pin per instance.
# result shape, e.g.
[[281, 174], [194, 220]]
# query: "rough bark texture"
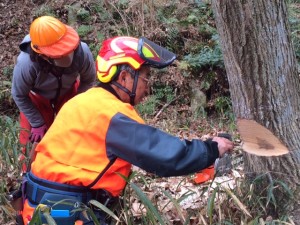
[[262, 73]]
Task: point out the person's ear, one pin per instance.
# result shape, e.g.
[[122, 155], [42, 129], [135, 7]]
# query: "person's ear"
[[123, 76]]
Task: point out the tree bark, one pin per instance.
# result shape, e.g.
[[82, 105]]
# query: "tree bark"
[[261, 67]]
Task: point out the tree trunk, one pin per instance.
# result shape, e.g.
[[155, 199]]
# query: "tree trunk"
[[262, 72]]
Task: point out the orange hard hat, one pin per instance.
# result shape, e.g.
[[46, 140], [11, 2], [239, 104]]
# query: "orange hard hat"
[[52, 38]]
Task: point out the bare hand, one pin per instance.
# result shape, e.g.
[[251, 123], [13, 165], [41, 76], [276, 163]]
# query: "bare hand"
[[224, 145]]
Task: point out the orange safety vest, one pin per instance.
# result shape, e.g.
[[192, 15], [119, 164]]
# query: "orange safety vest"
[[74, 150]]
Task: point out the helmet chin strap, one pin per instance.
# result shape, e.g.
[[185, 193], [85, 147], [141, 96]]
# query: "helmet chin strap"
[[132, 93]]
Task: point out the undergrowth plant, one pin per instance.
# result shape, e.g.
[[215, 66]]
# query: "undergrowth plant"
[[269, 196], [9, 165], [44, 10], [294, 20], [161, 95], [9, 145], [149, 106], [83, 15], [224, 204], [83, 30], [209, 56], [239, 204], [6, 107]]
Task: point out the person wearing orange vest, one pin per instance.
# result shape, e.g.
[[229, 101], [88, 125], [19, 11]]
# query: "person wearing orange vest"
[[51, 60], [98, 135]]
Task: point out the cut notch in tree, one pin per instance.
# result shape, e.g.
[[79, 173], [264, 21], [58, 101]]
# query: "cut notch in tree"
[[258, 140]]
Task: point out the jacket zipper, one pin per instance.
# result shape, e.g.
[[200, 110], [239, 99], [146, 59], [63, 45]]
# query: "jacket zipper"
[[54, 100]]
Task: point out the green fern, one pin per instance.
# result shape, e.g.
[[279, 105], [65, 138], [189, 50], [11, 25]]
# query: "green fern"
[[148, 107], [83, 15], [83, 30], [207, 57]]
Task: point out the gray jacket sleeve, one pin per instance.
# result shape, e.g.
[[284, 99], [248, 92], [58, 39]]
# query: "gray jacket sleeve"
[[24, 76], [88, 70], [156, 151]]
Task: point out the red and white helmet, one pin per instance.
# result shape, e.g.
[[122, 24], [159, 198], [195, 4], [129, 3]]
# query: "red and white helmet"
[[132, 51]]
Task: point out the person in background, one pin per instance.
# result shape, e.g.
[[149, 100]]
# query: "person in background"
[[98, 135], [52, 67]]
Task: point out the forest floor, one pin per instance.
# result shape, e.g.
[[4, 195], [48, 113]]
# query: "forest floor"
[[15, 19]]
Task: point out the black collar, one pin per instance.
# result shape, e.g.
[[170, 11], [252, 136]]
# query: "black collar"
[[109, 88]]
